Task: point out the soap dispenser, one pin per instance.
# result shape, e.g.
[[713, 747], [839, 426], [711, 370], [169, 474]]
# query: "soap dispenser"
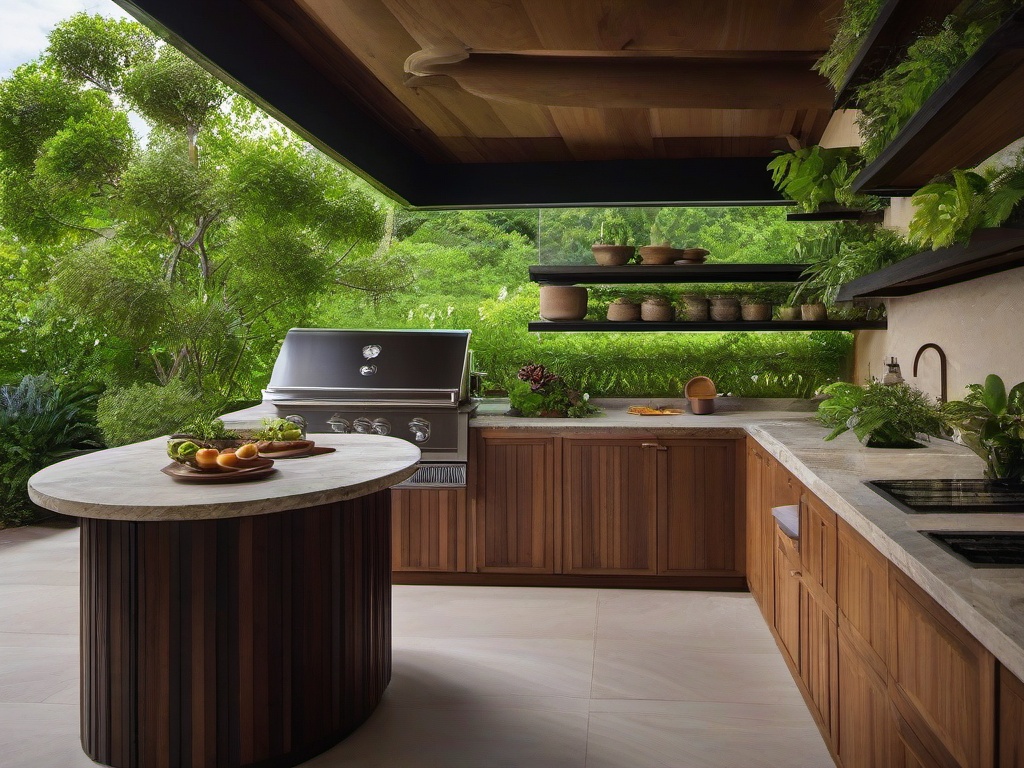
[[894, 375]]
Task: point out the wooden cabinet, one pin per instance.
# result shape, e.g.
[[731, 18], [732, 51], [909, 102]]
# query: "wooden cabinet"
[[818, 546], [513, 506], [428, 529], [864, 716], [758, 549], [786, 613], [1011, 720], [941, 679], [819, 658], [609, 500], [862, 596]]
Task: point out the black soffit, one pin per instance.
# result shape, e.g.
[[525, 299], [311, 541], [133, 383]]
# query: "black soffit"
[[235, 44]]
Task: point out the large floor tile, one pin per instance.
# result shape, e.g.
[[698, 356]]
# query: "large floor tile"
[[41, 736], [669, 669], [39, 609], [38, 668], [494, 612]]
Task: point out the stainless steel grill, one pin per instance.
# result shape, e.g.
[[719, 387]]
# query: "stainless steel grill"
[[408, 384]]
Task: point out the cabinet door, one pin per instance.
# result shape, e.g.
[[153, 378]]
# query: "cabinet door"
[[942, 680], [428, 529], [699, 495], [864, 710], [755, 550], [818, 547], [819, 658], [610, 505], [513, 502], [1011, 720], [862, 596], [786, 615]]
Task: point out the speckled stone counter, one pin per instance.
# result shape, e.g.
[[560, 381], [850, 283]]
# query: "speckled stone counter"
[[232, 625]]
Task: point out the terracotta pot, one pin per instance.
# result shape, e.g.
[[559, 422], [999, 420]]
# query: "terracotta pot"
[[660, 254], [657, 311], [789, 313], [725, 309], [695, 308], [612, 255], [814, 312], [757, 313], [623, 312], [700, 406], [563, 302]]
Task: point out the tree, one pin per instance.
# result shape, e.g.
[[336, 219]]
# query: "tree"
[[189, 253]]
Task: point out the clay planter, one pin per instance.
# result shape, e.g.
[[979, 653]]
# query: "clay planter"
[[563, 302], [789, 313], [657, 311], [813, 312], [660, 254], [623, 311], [700, 406], [725, 309], [695, 308], [612, 255], [757, 313]]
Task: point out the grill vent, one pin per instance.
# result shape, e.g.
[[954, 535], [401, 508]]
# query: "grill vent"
[[437, 475]]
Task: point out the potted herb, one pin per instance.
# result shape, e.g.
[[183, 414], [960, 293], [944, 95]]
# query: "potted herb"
[[789, 311], [612, 249], [881, 415], [538, 392], [694, 307], [756, 307], [624, 309], [725, 309], [657, 309], [813, 309], [990, 422], [660, 251], [208, 433]]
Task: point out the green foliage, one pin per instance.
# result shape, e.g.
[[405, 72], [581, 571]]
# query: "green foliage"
[[990, 421], [814, 175], [882, 416], [98, 50], [40, 424], [854, 22], [207, 429], [538, 392], [614, 229], [144, 411]]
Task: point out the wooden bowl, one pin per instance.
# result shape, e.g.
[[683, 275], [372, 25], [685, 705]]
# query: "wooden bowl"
[[659, 254], [700, 387]]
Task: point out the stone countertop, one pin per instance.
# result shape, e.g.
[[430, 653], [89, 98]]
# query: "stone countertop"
[[126, 483]]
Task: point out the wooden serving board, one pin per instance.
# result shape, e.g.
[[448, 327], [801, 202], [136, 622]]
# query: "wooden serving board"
[[645, 410], [255, 469], [316, 450], [292, 449]]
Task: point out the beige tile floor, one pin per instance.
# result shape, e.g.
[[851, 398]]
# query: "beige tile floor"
[[483, 677]]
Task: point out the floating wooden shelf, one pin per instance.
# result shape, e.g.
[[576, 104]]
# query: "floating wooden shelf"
[[895, 28], [838, 214], [545, 326], [693, 273], [989, 251], [974, 114]]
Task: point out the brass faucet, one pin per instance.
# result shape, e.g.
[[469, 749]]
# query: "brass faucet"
[[942, 367]]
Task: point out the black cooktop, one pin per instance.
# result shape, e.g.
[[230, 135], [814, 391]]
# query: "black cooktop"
[[982, 549], [917, 497]]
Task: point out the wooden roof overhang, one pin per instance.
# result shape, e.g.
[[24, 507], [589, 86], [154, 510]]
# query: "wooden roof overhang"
[[504, 103]]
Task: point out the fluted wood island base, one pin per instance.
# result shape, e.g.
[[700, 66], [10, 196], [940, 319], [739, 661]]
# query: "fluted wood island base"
[[227, 639]]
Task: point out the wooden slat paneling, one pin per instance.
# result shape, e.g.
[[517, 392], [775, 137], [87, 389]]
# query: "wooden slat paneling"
[[786, 615], [818, 546], [864, 717], [862, 593], [819, 661], [1011, 720], [428, 529]]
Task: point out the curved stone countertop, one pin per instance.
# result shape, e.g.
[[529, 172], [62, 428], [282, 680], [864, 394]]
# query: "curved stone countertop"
[[989, 602], [126, 483]]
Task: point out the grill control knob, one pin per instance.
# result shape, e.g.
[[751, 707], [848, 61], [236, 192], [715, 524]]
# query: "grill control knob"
[[381, 426], [362, 425], [420, 429], [339, 424], [368, 370], [370, 351]]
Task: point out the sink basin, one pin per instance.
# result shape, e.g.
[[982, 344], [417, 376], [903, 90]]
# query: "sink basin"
[[920, 497], [982, 549]]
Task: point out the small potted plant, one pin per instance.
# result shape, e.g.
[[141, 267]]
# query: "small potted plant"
[[623, 309], [881, 415], [789, 311], [563, 302], [725, 309], [756, 307], [990, 421], [612, 249], [657, 309], [813, 309], [660, 251], [694, 307], [538, 392]]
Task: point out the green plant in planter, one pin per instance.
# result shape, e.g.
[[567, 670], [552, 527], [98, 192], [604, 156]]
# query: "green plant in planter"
[[814, 175], [990, 422], [538, 392], [614, 230], [882, 416], [854, 22], [658, 237]]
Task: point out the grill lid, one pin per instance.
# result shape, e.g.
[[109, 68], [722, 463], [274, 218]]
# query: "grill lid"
[[344, 366]]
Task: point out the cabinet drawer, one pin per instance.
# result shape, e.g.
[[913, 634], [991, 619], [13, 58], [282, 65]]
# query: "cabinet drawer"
[[428, 529], [786, 614]]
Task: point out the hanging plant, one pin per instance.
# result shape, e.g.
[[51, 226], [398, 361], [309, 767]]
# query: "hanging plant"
[[854, 23], [814, 175]]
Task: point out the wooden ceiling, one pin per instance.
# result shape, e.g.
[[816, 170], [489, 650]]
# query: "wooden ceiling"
[[563, 86]]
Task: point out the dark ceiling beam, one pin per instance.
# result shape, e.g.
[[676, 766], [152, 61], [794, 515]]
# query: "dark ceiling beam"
[[230, 39]]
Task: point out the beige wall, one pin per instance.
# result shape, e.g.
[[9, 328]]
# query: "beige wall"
[[979, 324]]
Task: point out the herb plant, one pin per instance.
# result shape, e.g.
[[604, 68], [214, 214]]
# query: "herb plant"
[[208, 429], [814, 175], [881, 415], [538, 392], [990, 421]]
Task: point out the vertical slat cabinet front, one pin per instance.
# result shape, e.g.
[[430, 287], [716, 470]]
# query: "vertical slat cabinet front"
[[786, 614], [1011, 720], [862, 595], [428, 529], [610, 502], [700, 500], [514, 503], [818, 546], [819, 659], [864, 710], [755, 549]]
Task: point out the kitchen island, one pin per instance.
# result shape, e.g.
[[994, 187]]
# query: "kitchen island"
[[230, 624]]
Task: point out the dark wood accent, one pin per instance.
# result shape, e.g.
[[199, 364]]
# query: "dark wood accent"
[[696, 581], [786, 616], [240, 642], [941, 679], [897, 25], [700, 504], [988, 252], [862, 591], [973, 115], [428, 529], [838, 214], [648, 273], [610, 506], [513, 506], [1011, 720], [864, 716], [601, 326]]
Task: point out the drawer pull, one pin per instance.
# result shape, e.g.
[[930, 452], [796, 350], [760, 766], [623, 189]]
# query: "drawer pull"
[[795, 574], [653, 445]]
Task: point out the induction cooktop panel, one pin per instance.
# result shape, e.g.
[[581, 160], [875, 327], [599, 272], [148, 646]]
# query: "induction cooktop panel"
[[983, 549], [917, 497]]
